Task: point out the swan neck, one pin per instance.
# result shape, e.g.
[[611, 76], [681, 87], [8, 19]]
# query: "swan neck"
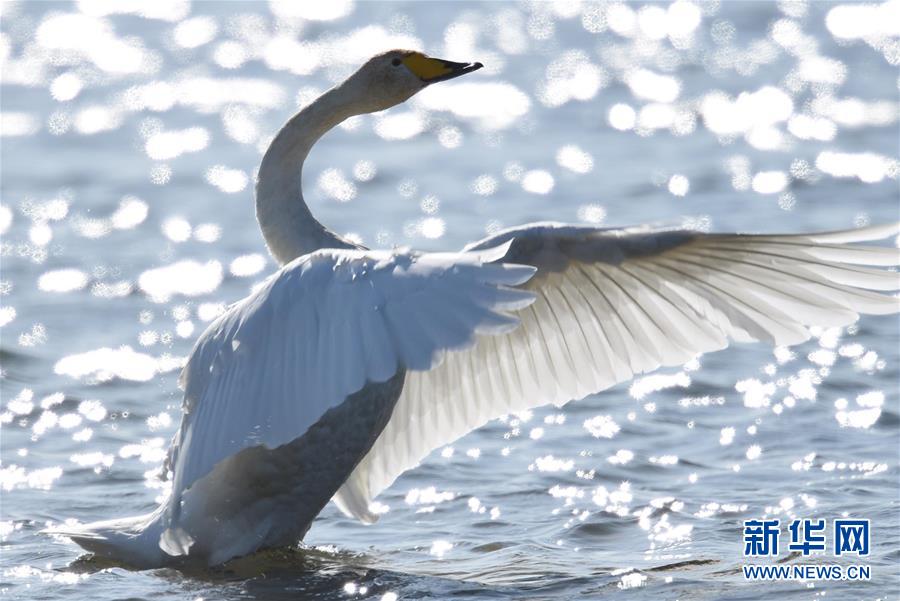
[[287, 224]]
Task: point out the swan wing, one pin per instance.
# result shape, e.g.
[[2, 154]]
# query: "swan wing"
[[321, 328], [618, 302]]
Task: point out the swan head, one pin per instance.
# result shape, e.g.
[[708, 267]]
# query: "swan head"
[[392, 77]]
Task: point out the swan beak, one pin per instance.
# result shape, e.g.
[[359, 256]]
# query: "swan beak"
[[431, 70]]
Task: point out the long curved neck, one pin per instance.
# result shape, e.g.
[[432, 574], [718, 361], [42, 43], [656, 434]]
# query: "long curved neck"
[[288, 226]]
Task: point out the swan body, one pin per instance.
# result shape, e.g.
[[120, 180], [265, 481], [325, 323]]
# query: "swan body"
[[348, 366]]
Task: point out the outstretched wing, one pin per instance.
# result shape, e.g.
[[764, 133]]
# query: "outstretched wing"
[[322, 327], [615, 303]]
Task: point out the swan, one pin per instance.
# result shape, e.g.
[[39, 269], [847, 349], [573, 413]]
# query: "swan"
[[349, 365]]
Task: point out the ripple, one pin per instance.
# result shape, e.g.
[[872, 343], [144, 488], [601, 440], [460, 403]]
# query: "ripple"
[[493, 106], [187, 278], [195, 32], [14, 124], [167, 145], [104, 364]]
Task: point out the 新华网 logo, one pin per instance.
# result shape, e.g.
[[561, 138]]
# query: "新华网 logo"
[[763, 538]]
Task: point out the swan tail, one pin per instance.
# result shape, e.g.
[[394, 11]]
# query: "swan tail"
[[130, 540]]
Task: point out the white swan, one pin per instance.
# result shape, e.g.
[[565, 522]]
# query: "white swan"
[[349, 365]]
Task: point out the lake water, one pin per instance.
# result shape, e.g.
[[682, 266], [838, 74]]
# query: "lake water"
[[129, 146]]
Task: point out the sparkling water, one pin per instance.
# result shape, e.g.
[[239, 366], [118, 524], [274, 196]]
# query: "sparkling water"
[[130, 137]]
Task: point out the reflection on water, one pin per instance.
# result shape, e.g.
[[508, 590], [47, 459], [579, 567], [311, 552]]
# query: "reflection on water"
[[130, 136]]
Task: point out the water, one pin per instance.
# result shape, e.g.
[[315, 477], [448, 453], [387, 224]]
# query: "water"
[[123, 153]]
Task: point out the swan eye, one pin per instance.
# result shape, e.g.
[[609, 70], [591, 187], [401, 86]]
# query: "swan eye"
[[396, 62]]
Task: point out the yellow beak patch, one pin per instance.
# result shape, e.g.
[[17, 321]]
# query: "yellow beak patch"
[[425, 67]]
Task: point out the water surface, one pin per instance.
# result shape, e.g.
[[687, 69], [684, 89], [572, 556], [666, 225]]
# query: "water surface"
[[129, 146]]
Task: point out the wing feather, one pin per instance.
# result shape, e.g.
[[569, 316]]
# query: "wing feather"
[[614, 303], [317, 332]]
